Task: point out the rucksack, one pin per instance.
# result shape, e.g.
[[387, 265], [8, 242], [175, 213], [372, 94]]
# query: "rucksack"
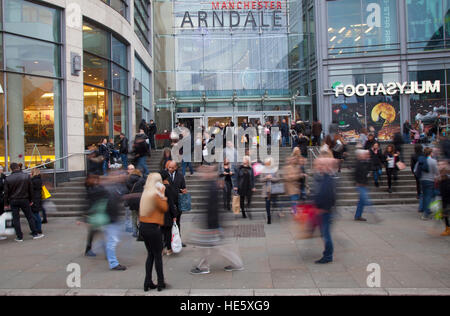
[[421, 166]]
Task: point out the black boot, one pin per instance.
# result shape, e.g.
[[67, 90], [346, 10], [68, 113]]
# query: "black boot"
[[269, 220]]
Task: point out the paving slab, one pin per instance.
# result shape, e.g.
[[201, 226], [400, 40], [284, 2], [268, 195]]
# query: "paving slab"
[[353, 292], [287, 292], [223, 292], [37, 292], [97, 292], [420, 291]]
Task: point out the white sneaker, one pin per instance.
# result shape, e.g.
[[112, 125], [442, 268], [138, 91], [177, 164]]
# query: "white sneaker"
[[38, 236], [3, 237], [18, 240]]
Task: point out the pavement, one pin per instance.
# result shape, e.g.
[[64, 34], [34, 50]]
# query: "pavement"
[[413, 260]]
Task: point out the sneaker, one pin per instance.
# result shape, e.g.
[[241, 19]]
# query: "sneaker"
[[231, 268], [3, 237], [18, 240], [199, 271], [119, 268], [90, 253], [38, 236], [323, 261]]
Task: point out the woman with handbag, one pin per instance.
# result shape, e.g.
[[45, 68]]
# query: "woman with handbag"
[[272, 186], [390, 160], [152, 207]]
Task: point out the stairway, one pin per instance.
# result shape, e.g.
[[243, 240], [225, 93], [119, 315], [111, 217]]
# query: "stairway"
[[70, 197]]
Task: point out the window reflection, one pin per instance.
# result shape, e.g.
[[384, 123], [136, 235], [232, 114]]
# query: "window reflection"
[[96, 123], [95, 71]]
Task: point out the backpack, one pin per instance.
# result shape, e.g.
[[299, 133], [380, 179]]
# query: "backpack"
[[421, 166]]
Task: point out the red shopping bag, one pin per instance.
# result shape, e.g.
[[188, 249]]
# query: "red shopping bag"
[[308, 216]]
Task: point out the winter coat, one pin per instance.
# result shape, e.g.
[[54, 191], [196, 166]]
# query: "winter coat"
[[245, 180], [267, 183]]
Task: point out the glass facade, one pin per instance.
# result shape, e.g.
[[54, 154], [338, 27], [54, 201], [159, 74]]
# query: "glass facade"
[[428, 24], [120, 6], [143, 96], [31, 79], [105, 71], [362, 27], [142, 22], [206, 54]]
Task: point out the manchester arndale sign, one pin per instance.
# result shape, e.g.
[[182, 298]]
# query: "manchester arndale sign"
[[237, 14], [391, 88]]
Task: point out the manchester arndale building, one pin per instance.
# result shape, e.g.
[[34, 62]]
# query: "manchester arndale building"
[[72, 72], [357, 63]]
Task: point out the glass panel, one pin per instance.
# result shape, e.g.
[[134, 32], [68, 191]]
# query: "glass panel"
[[215, 49], [246, 53], [138, 115], [32, 56], [146, 98], [217, 81], [33, 119], [137, 70], [96, 40], [119, 79], [380, 26], [119, 114], [425, 23], [2, 125], [344, 24], [275, 54], [189, 54], [119, 6], [247, 80], [96, 70], [30, 19], [275, 80], [188, 81], [119, 52], [96, 121], [447, 22]]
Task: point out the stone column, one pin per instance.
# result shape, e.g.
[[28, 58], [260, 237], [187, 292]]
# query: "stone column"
[[16, 131]]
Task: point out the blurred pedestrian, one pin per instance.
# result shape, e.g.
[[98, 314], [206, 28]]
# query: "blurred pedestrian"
[[316, 133], [245, 181], [429, 175], [153, 205], [325, 201], [135, 186], [303, 142], [104, 152], [377, 161], [226, 173], [36, 207], [178, 183], [19, 195], [284, 133], [141, 151], [171, 215], [418, 152], [270, 178], [167, 156], [444, 188], [123, 150], [291, 176], [2, 190], [391, 157], [360, 175], [406, 132], [211, 237], [152, 130], [339, 150]]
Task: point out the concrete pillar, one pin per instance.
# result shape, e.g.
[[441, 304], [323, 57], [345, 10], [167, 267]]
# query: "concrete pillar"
[[16, 131]]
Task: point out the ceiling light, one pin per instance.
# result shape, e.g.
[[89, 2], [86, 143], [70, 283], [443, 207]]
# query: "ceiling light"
[[358, 38], [333, 38], [342, 30]]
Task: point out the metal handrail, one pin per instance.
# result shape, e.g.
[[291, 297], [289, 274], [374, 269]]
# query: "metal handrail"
[[54, 162]]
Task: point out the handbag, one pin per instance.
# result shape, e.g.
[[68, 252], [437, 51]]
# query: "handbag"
[[401, 165], [44, 193], [184, 201], [236, 204], [176, 243], [277, 188]]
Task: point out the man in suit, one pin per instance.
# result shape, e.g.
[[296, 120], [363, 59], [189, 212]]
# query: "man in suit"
[[176, 180]]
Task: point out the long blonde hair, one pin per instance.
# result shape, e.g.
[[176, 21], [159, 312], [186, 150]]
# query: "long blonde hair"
[[147, 203]]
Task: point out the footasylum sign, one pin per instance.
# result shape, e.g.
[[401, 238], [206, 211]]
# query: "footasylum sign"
[[391, 88], [237, 14]]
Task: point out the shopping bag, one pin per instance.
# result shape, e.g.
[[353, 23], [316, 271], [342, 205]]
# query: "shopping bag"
[[277, 188], [184, 202], [45, 194], [176, 239], [236, 204], [308, 216], [436, 208], [401, 165], [6, 225], [97, 214], [257, 169]]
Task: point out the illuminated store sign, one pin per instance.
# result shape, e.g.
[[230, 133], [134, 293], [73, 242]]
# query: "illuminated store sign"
[[237, 14], [391, 88]]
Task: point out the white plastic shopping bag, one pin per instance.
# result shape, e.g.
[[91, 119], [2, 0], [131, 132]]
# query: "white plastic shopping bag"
[[6, 226], [176, 239]]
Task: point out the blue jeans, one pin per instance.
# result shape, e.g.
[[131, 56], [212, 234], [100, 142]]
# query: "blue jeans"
[[38, 221], [142, 165], [325, 226], [105, 167], [184, 165], [406, 138], [285, 141], [294, 200], [377, 175], [427, 196], [112, 239], [124, 158], [363, 201]]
